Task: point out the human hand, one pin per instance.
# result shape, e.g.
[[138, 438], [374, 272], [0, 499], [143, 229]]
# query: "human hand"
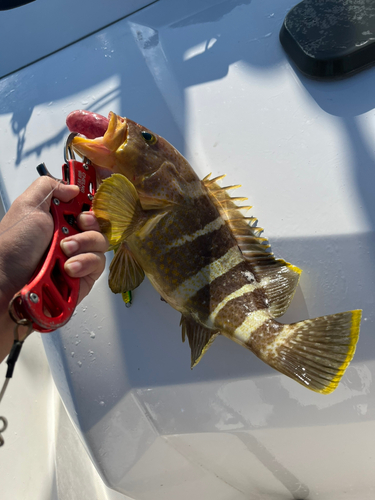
[[26, 231], [86, 252]]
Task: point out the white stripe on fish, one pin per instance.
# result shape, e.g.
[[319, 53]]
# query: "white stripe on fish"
[[251, 323], [208, 228], [208, 274], [238, 293]]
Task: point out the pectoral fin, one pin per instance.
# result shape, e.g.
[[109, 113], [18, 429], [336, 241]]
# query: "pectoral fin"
[[117, 207], [200, 338], [124, 272], [151, 203]]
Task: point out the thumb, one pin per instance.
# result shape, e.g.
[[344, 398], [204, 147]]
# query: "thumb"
[[43, 189], [65, 192]]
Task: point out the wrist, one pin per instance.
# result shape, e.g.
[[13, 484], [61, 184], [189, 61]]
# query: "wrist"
[[6, 292], [7, 326]]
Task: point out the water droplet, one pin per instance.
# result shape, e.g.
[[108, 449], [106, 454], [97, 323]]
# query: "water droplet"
[[72, 354], [79, 363], [102, 403], [92, 335]]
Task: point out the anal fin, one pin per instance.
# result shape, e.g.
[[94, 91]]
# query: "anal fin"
[[124, 272], [199, 337]]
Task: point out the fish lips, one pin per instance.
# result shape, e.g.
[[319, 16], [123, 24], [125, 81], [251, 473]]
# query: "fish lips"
[[101, 150], [93, 149]]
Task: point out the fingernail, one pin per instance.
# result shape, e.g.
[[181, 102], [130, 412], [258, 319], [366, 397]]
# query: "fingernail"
[[69, 246], [73, 267], [87, 220]]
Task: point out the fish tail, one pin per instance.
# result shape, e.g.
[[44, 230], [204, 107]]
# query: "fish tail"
[[315, 352]]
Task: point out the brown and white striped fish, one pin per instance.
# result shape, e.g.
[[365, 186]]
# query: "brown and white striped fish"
[[202, 255]]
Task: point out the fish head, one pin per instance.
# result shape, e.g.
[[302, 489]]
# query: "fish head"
[[151, 163], [126, 147], [117, 150]]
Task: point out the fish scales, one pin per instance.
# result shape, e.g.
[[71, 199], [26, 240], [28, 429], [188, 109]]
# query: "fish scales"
[[212, 294], [189, 257], [181, 266], [198, 250], [237, 310]]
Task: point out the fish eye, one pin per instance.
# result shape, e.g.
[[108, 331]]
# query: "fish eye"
[[149, 138]]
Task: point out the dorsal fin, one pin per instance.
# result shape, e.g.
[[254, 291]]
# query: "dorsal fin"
[[279, 278]]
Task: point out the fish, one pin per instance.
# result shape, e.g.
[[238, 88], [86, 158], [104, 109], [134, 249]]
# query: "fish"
[[201, 253]]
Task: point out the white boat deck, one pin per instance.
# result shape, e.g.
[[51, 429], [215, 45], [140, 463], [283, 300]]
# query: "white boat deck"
[[135, 421]]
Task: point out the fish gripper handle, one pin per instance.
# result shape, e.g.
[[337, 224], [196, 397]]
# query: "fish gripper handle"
[[49, 299]]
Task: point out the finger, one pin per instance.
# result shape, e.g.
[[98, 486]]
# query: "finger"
[[89, 241], [85, 286], [86, 264], [45, 187], [88, 222], [65, 192]]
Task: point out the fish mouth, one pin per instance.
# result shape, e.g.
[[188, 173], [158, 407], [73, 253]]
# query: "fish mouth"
[[99, 137]]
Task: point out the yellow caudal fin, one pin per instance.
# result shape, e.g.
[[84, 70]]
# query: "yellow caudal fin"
[[117, 207], [316, 352]]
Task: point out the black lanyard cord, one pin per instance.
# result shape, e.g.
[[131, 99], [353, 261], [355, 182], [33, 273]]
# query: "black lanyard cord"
[[11, 362]]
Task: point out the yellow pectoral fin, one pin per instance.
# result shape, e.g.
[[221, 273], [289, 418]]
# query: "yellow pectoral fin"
[[117, 207], [151, 203]]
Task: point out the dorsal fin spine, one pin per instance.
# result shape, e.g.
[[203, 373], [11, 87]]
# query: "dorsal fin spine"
[[256, 250], [215, 179]]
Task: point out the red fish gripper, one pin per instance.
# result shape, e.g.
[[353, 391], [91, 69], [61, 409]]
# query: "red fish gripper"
[[49, 299]]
